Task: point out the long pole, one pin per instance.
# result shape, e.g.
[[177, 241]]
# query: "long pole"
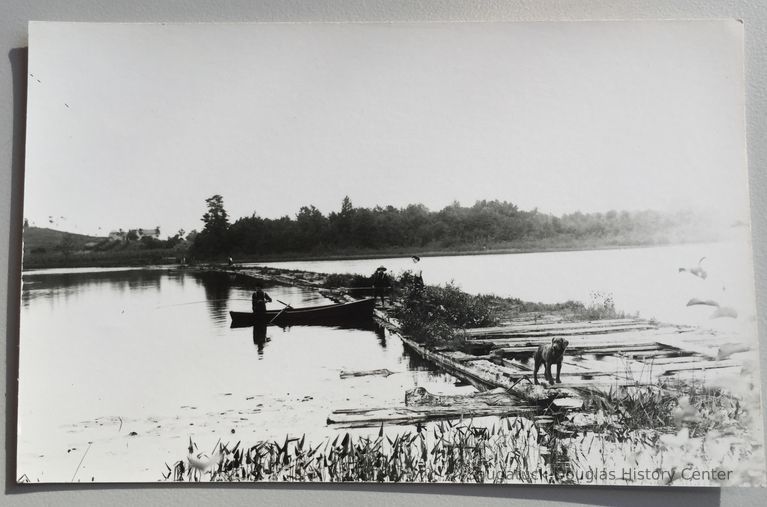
[[277, 316]]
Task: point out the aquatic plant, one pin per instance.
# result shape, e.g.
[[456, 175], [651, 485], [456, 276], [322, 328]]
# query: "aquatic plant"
[[602, 306], [668, 406], [458, 451]]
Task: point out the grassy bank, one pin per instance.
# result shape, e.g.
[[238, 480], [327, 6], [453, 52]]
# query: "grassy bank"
[[107, 259]]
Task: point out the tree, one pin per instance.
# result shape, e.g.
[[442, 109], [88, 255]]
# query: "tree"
[[346, 206], [216, 219], [311, 226], [213, 239]]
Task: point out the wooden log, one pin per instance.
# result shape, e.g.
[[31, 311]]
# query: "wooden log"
[[644, 335], [463, 357], [709, 352], [585, 349], [598, 383], [577, 341], [361, 418], [522, 327], [382, 372], [701, 365], [510, 333], [569, 403], [661, 353], [674, 360], [420, 397]]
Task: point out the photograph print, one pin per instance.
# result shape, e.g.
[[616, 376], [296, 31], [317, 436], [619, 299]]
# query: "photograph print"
[[499, 253]]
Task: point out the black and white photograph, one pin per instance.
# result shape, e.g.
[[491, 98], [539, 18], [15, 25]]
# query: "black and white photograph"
[[445, 252]]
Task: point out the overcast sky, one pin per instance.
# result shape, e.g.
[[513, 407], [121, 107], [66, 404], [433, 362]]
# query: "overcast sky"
[[135, 125]]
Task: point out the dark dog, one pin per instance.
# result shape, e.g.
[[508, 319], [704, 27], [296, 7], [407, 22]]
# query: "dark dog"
[[548, 355]]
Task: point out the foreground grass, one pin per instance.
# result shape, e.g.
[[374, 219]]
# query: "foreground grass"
[[448, 452], [669, 433]]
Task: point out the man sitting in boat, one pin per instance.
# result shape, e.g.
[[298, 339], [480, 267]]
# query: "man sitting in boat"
[[260, 298]]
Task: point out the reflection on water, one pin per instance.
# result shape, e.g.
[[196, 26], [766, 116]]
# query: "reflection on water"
[[216, 293], [150, 352], [58, 285], [260, 338]]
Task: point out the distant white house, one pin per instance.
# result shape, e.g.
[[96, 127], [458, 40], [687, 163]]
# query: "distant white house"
[[151, 232], [148, 232]]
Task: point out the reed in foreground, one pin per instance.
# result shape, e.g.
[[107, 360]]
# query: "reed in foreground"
[[447, 452]]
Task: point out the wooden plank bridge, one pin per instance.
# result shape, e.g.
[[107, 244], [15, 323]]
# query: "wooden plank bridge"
[[600, 354]]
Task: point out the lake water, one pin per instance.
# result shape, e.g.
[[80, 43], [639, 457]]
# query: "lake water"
[[646, 281], [109, 353]]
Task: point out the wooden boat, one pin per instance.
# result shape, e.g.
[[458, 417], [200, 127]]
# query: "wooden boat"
[[335, 314]]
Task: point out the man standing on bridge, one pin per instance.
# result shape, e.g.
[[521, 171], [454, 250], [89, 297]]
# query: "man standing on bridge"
[[380, 283]]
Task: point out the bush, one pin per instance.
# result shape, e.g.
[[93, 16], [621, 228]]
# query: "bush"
[[336, 280], [437, 314], [602, 307]]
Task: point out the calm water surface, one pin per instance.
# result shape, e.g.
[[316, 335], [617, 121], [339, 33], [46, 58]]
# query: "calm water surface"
[[108, 353], [640, 280], [127, 365]]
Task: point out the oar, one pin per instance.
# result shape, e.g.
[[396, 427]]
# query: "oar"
[[278, 315]]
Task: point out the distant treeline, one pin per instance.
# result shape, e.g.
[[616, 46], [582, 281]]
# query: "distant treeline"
[[485, 225]]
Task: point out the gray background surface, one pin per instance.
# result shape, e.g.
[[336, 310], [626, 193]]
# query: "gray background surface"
[[14, 15]]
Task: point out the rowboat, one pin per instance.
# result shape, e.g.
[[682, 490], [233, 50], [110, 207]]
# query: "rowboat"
[[335, 314]]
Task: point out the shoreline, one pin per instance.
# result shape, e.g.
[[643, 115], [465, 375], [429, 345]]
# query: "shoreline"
[[379, 254], [459, 253]]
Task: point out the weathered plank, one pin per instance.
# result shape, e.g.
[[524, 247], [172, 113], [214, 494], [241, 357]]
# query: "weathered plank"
[[673, 360], [521, 327], [420, 397], [463, 357], [381, 372], [701, 365], [410, 415], [710, 352], [585, 348], [510, 332]]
